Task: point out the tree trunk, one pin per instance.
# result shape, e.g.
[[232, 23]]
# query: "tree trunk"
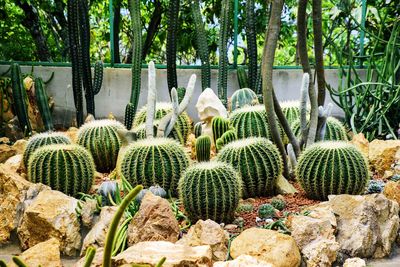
[[318, 50]]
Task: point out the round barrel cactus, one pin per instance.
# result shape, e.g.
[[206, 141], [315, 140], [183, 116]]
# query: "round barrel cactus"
[[243, 97], [175, 133], [250, 121], [291, 110], [43, 139], [66, 168], [157, 161], [258, 162], [210, 190], [101, 139], [332, 168], [227, 137], [334, 131]]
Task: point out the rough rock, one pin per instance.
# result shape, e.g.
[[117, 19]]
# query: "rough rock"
[[208, 233], [46, 253], [154, 221], [6, 152], [97, 235], [382, 154], [354, 262], [15, 163], [15, 194], [392, 191], [51, 214], [282, 186], [267, 246], [89, 208], [150, 252], [362, 143], [97, 260], [242, 261], [20, 146], [209, 105]]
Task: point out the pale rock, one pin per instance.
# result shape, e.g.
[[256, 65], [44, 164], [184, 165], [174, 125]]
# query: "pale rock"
[[150, 252], [20, 146], [88, 213], [382, 154], [282, 186], [362, 143], [51, 214], [46, 253], [392, 191], [15, 163], [208, 233], [242, 261], [6, 152], [231, 227], [267, 246], [209, 105], [354, 262], [154, 221], [323, 211]]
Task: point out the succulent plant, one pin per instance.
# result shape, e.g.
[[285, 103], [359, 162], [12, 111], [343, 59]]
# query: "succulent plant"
[[245, 207], [335, 130], [101, 139], [332, 168], [395, 178], [158, 191], [198, 129], [219, 126], [278, 203], [242, 77], [375, 187], [43, 104], [258, 162], [291, 110], [203, 148], [266, 211], [226, 138], [107, 190], [210, 190], [66, 168], [140, 132], [157, 161], [243, 97], [43, 139]]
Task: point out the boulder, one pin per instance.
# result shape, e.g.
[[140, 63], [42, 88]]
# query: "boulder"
[[15, 194], [6, 152], [382, 154], [354, 262], [150, 252], [15, 162], [282, 186], [392, 191], [267, 246], [88, 213], [208, 233], [154, 221], [20, 146], [51, 214], [46, 253], [209, 105], [242, 261], [362, 143]]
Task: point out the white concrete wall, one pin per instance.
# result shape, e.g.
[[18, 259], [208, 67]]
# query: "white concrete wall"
[[116, 89]]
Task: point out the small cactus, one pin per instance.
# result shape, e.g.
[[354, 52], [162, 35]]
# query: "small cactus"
[[375, 187], [210, 190], [278, 203], [203, 148], [107, 190], [226, 138], [243, 97], [219, 127], [198, 129], [266, 211]]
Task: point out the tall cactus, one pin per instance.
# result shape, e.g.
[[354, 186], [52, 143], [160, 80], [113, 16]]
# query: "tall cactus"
[[172, 32], [242, 77], [224, 34], [251, 36], [203, 148], [43, 105]]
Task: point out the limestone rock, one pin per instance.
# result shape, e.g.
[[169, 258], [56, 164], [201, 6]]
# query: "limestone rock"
[[207, 233], [382, 154], [15, 162], [46, 253], [242, 261], [354, 262], [154, 221], [88, 216], [361, 142], [392, 191], [324, 212], [267, 246], [20, 146], [282, 186], [6, 152], [150, 252], [51, 214], [209, 105]]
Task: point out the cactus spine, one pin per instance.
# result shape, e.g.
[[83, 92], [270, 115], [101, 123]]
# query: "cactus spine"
[[43, 139], [334, 130], [203, 148], [243, 97], [242, 77], [20, 99], [258, 161], [219, 126], [198, 129], [250, 121], [43, 105], [333, 167], [172, 32], [210, 190], [101, 139], [67, 168], [291, 110], [251, 37], [226, 138]]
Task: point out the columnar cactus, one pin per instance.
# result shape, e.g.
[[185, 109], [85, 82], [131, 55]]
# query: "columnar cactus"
[[219, 126], [243, 97], [198, 129], [258, 161], [334, 131], [250, 121], [176, 134], [332, 168], [242, 77], [43, 139], [203, 148], [227, 137], [157, 161], [210, 190], [101, 139], [66, 168], [43, 104]]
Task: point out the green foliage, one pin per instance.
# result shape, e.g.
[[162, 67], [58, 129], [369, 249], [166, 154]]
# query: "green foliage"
[[219, 126], [258, 162], [43, 139], [203, 148], [101, 139], [335, 130], [43, 104], [20, 99], [266, 211], [278, 203], [210, 190], [332, 168], [226, 138], [250, 121], [157, 161], [66, 168], [243, 97], [197, 129]]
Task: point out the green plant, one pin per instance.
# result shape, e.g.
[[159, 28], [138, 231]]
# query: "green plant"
[[20, 99], [291, 110], [219, 126], [244, 207], [250, 121], [181, 93], [278, 203], [251, 38], [258, 162], [210, 190], [140, 132], [43, 139], [335, 130], [156, 161], [375, 187], [243, 97], [108, 191], [203, 148], [172, 32], [332, 168], [198, 129], [101, 139], [43, 104], [226, 138], [266, 211], [242, 77], [67, 168]]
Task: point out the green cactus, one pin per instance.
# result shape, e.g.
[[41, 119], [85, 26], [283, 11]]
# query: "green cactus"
[[258, 161], [251, 38], [43, 105], [130, 112], [20, 99], [226, 138], [203, 148], [243, 97], [335, 130], [67, 168], [242, 77], [210, 190], [43, 139], [291, 109], [172, 32], [278, 203], [181, 93], [198, 129], [250, 121], [101, 139], [157, 161], [266, 211], [98, 76], [176, 134], [332, 168], [219, 126]]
